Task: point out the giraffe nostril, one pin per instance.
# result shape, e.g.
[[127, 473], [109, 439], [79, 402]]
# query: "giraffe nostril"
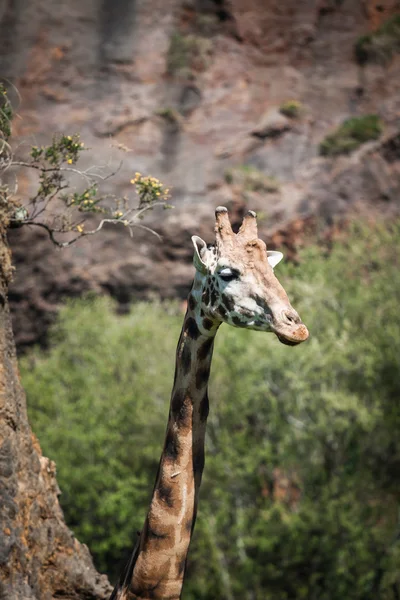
[[291, 317]]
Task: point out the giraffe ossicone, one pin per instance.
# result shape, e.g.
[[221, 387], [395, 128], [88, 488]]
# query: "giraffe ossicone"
[[234, 283]]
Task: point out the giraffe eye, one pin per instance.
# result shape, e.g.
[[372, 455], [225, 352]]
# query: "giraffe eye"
[[228, 274]]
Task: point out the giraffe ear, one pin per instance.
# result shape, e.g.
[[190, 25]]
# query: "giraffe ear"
[[200, 250], [274, 257]]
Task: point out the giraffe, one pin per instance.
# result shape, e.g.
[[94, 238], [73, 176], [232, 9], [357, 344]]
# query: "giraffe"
[[235, 284]]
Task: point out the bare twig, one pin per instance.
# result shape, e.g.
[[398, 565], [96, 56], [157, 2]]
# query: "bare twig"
[[51, 233], [54, 184], [86, 174]]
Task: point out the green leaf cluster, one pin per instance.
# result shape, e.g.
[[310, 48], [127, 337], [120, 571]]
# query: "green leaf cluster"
[[86, 201], [64, 148], [150, 190], [351, 134], [291, 109], [6, 114], [300, 494], [381, 45], [188, 53]]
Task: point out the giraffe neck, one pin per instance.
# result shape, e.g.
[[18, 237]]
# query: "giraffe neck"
[[158, 564]]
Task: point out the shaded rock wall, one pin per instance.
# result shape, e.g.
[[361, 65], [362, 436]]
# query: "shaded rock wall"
[[105, 69], [39, 557]]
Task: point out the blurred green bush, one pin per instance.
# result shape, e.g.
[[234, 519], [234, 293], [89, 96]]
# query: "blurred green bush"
[[380, 45], [351, 134], [251, 179], [300, 496], [188, 53], [291, 109]]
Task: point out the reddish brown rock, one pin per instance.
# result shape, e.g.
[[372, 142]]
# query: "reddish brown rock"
[[101, 68], [39, 557]]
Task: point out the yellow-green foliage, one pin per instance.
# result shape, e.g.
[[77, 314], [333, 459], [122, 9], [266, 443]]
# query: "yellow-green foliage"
[[170, 114], [251, 179], [291, 108], [351, 134], [187, 53], [326, 414], [380, 45], [6, 115], [207, 24]]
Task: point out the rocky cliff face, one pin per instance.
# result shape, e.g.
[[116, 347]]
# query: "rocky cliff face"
[[40, 559], [190, 92]]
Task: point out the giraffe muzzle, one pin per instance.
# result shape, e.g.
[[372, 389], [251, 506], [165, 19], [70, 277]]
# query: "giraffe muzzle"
[[290, 329], [293, 341]]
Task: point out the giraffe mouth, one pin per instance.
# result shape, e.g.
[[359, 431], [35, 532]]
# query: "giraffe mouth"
[[293, 337], [288, 342]]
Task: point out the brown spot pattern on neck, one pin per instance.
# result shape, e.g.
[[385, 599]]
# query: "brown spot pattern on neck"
[[158, 568], [191, 328]]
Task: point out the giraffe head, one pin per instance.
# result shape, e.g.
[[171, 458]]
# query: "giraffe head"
[[235, 282]]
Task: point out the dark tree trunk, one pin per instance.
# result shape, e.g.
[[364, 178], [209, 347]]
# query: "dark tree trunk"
[[39, 557]]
